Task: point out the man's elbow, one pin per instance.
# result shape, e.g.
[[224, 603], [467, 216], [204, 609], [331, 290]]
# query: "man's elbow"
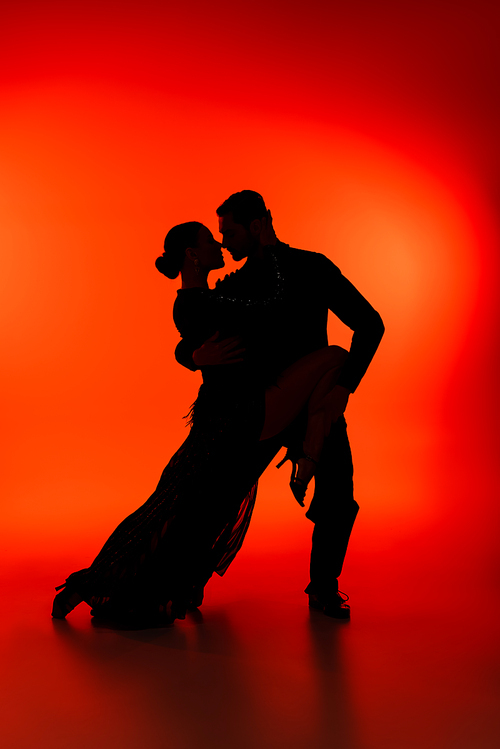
[[377, 325]]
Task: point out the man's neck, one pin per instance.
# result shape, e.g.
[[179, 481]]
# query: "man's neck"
[[257, 255]]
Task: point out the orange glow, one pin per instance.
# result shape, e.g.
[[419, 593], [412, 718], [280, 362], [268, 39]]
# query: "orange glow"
[[113, 132]]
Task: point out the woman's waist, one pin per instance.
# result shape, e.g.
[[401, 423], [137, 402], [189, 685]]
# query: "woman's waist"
[[235, 376]]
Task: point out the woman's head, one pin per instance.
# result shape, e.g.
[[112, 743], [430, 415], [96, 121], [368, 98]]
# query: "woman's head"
[[190, 242]]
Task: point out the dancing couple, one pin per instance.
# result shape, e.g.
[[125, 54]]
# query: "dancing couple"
[[270, 379]]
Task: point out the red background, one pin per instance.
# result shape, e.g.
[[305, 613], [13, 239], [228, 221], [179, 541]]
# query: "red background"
[[371, 129]]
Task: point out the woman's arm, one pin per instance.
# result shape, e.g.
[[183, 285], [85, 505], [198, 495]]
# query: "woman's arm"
[[184, 354]]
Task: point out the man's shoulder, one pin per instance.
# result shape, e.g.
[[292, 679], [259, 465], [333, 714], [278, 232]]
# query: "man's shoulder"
[[303, 258], [281, 247]]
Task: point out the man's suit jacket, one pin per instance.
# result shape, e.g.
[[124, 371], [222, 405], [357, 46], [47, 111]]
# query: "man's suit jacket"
[[288, 295]]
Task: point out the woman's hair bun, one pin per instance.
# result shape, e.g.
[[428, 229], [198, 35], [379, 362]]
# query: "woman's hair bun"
[[178, 239], [166, 268]]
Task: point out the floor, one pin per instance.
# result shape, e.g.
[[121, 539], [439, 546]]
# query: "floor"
[[255, 669]]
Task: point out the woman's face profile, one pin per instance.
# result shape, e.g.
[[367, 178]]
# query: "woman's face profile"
[[208, 250]]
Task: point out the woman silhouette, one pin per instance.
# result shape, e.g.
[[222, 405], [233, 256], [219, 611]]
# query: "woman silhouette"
[[155, 564]]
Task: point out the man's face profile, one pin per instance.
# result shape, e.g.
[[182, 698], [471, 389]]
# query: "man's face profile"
[[235, 238]]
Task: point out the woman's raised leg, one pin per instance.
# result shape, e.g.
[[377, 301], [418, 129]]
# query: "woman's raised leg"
[[295, 386], [319, 422]]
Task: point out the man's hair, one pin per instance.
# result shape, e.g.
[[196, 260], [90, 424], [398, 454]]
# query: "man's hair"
[[245, 206]]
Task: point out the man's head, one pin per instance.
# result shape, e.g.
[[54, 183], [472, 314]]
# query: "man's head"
[[240, 218]]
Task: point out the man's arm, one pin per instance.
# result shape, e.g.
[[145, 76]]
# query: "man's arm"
[[345, 301]]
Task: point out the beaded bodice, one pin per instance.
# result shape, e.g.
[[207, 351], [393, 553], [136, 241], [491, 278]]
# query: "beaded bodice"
[[230, 287]]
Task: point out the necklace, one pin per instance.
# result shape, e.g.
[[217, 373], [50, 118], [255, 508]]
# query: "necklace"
[[278, 288]]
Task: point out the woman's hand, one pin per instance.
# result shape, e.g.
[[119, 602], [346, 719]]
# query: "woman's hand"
[[267, 233], [215, 352]]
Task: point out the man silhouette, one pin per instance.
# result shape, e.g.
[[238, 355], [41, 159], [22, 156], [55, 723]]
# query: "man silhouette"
[[296, 324]]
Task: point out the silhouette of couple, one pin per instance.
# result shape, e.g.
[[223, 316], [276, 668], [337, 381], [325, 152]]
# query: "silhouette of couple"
[[269, 379]]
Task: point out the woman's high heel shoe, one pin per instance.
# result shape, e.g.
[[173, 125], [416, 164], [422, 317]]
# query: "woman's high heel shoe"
[[65, 601], [297, 485]]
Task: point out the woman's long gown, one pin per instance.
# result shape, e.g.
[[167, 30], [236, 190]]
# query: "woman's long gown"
[[196, 519]]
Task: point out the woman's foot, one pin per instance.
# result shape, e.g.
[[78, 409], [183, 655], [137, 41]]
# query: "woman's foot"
[[64, 602], [303, 467], [196, 597], [302, 473]]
